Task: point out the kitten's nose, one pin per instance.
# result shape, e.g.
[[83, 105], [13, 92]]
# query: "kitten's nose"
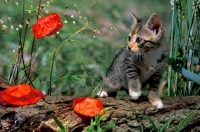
[[129, 48]]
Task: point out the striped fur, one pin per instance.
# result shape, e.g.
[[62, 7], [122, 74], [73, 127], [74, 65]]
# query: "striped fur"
[[140, 63]]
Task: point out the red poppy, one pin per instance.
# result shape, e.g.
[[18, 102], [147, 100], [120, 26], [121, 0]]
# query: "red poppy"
[[47, 26], [87, 106], [19, 95]]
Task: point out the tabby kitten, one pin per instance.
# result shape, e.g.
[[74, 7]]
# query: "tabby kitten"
[[140, 63]]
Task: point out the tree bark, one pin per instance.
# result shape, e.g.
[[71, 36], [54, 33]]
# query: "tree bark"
[[124, 112]]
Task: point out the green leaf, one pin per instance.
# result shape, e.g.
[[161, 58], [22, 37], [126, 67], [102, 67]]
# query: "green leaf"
[[165, 126], [108, 126], [174, 61], [188, 74], [152, 123], [171, 61], [97, 126], [184, 121], [62, 128]]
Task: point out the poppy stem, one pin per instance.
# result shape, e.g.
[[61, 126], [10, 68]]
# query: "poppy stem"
[[49, 90], [39, 7], [62, 43]]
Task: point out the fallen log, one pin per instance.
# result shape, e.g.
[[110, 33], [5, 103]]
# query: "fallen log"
[[127, 115]]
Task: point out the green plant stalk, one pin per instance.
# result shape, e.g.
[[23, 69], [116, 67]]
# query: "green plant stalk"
[[155, 129], [21, 45], [107, 16], [189, 40], [88, 80], [183, 48], [176, 38], [137, 116], [51, 72], [16, 65], [184, 121], [60, 125], [170, 55], [69, 76], [20, 57], [12, 72], [27, 70], [62, 43], [164, 127]]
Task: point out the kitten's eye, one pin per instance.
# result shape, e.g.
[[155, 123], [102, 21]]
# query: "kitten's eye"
[[138, 40], [129, 38]]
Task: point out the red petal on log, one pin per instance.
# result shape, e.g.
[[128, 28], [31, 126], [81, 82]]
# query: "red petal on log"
[[87, 106], [19, 95]]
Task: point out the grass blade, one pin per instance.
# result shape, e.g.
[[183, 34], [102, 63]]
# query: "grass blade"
[[152, 123], [184, 122], [62, 128], [165, 126]]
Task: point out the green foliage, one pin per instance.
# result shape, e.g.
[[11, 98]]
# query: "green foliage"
[[184, 122], [97, 125], [50, 64], [184, 77], [153, 127], [157, 127]]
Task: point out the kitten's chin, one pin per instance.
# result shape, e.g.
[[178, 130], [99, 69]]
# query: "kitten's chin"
[[147, 50]]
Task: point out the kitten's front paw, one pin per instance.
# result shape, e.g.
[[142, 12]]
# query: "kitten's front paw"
[[134, 95], [102, 94], [158, 103]]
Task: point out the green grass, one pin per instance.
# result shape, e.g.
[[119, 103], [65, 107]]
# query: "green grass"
[[96, 124], [60, 125], [184, 121], [184, 77], [77, 67]]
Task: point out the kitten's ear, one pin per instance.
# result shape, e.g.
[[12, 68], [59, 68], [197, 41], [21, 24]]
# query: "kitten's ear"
[[154, 23], [135, 19]]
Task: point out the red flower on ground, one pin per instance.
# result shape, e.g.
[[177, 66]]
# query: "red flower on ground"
[[87, 106], [47, 26], [19, 95]]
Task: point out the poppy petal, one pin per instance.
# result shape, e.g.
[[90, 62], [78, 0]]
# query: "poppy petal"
[[87, 106], [20, 95], [47, 26], [2, 101]]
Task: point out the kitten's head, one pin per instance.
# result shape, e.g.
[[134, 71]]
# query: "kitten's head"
[[145, 36]]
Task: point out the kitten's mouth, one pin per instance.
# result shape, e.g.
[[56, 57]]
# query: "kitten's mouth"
[[133, 49], [147, 49]]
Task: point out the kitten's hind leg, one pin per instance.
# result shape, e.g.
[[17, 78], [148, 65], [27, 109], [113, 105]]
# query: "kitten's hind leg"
[[154, 99], [153, 92], [110, 88]]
